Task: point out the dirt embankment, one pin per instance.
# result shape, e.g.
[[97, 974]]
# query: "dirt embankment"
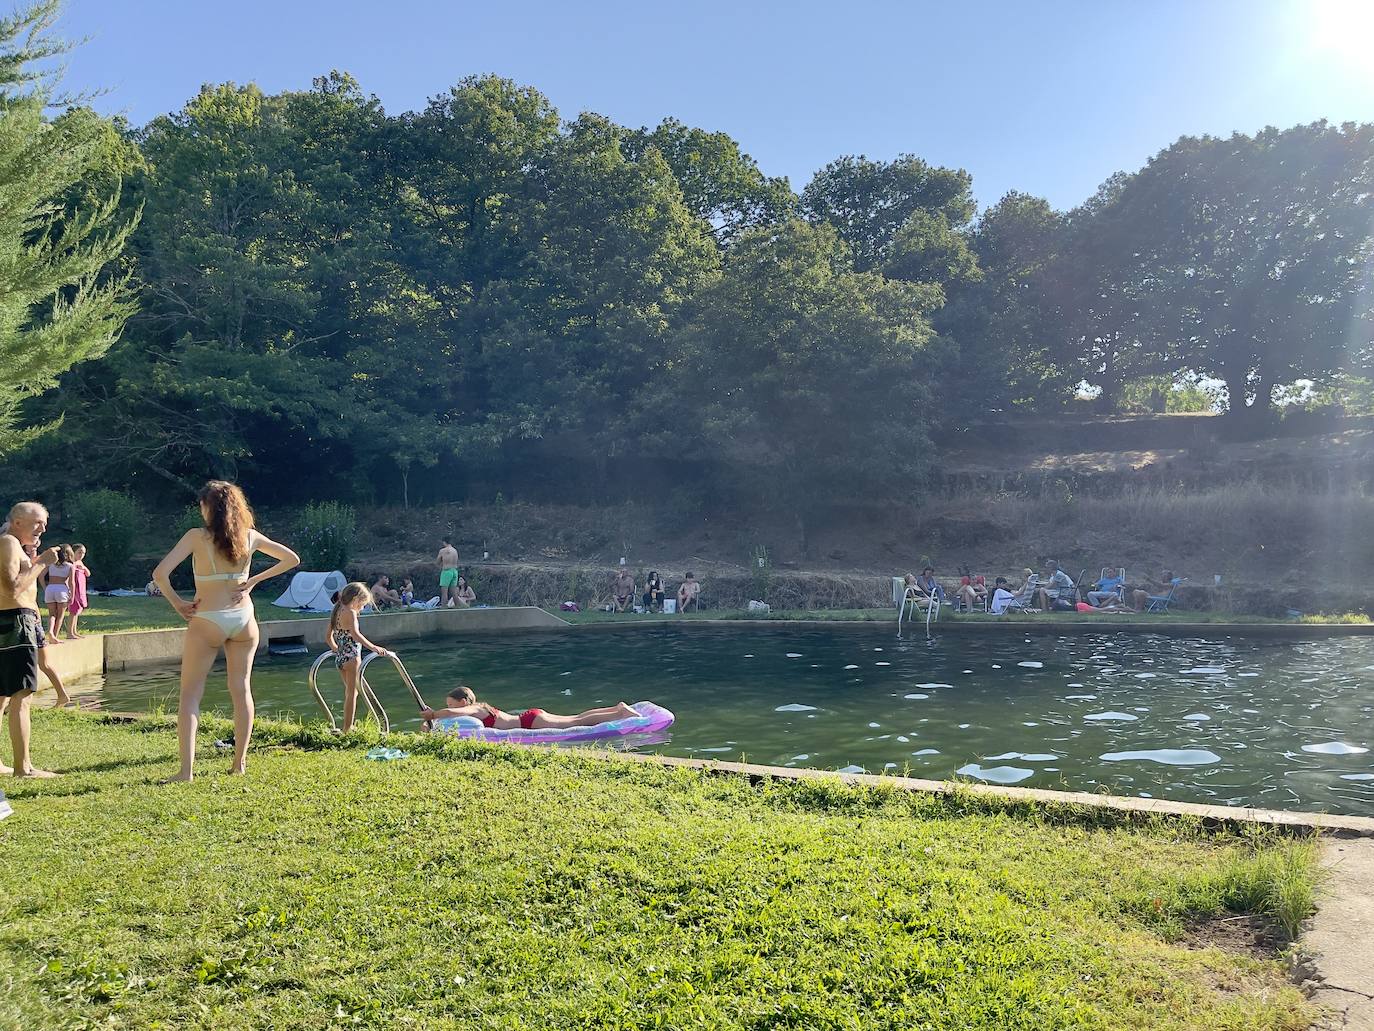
[[1287, 522]]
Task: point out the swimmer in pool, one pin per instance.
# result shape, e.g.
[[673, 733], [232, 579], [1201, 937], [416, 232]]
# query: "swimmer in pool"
[[463, 702]]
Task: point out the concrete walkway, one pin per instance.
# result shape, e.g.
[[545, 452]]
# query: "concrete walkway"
[[1340, 943]]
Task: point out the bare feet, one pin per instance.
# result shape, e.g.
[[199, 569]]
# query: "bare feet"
[[37, 774], [180, 778], [237, 771], [5, 770], [626, 709], [63, 700]]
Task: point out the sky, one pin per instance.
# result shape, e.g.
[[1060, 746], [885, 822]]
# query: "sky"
[[1047, 97]]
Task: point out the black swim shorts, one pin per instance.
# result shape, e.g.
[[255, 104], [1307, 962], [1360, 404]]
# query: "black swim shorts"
[[18, 651]]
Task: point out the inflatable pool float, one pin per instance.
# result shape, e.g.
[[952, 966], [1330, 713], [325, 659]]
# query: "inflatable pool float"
[[651, 719]]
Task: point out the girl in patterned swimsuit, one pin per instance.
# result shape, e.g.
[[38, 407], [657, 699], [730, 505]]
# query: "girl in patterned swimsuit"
[[346, 641]]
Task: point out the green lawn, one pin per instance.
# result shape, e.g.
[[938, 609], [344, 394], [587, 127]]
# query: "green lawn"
[[110, 615], [477, 887]]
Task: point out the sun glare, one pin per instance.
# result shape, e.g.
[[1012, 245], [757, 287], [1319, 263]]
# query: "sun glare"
[[1344, 27]]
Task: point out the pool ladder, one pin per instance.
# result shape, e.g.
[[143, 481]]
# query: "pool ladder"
[[910, 609], [370, 698]]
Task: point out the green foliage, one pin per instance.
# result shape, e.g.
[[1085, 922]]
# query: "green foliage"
[[1244, 258], [1004, 335], [108, 523], [1167, 394], [617, 894], [59, 303], [789, 343], [720, 184], [325, 535], [871, 203]]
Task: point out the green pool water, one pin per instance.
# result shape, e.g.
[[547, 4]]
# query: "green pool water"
[[1232, 720]]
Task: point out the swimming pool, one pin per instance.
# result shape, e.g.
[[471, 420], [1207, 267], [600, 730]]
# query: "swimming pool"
[[1237, 721]]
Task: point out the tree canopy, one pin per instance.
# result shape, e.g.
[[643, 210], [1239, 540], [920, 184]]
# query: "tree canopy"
[[482, 295], [61, 301]]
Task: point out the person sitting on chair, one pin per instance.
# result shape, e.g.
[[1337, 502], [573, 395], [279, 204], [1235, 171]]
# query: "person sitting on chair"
[[687, 593], [972, 589], [929, 586], [1002, 597], [1109, 589], [1140, 593], [383, 597], [623, 589], [653, 592], [1054, 586]]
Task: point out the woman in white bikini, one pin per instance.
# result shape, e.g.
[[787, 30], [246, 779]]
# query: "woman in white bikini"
[[221, 614]]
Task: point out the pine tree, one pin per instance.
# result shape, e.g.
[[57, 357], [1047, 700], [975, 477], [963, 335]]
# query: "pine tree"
[[59, 303]]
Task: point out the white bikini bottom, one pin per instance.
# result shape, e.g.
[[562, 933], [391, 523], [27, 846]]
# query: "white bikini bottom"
[[232, 621]]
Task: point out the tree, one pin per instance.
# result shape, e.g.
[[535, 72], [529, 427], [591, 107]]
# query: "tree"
[[719, 182], [59, 302], [1006, 343], [1093, 297], [868, 202], [1252, 255], [801, 376]]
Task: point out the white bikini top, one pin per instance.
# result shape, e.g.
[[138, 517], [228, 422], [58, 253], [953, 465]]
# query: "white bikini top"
[[215, 574]]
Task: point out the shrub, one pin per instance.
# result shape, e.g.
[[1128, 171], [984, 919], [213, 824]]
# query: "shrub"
[[325, 536], [107, 522]]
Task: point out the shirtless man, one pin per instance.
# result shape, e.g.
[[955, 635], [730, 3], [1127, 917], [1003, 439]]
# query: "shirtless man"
[[19, 622], [624, 589], [383, 597], [687, 593], [447, 561]]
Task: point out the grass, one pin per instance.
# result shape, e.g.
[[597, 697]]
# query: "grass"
[[482, 887], [113, 615]]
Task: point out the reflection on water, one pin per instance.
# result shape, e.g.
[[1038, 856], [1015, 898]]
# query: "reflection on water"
[[1232, 720]]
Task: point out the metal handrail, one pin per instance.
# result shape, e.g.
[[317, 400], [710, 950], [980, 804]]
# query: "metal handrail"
[[364, 688], [400, 668], [910, 603]]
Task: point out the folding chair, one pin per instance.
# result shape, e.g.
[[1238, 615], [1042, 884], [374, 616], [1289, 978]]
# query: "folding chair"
[[1160, 602]]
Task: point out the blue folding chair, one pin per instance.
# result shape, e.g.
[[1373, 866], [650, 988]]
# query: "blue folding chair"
[[1160, 602]]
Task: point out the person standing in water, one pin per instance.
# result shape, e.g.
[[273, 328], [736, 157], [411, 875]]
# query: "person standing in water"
[[447, 561], [221, 614], [20, 624]]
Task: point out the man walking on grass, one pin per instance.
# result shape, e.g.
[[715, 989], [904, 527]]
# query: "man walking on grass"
[[19, 623], [448, 573]]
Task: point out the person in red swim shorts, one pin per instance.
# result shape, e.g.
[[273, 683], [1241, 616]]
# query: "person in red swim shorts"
[[463, 702]]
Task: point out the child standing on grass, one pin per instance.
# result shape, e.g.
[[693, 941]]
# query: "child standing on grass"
[[346, 641], [78, 604]]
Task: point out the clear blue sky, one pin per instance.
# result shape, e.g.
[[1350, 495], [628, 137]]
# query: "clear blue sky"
[[1047, 97]]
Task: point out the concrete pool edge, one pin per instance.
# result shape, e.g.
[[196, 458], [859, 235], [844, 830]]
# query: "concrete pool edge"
[[1212, 815], [991, 624], [150, 647]]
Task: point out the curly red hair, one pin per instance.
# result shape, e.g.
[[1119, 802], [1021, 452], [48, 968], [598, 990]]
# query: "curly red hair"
[[228, 518]]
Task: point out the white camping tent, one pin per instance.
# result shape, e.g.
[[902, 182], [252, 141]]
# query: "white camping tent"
[[312, 591]]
